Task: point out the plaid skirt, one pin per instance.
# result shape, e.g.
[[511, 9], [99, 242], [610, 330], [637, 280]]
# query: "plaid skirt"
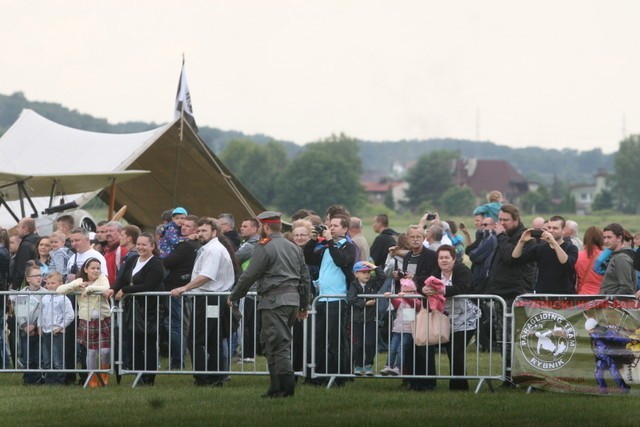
[[95, 334]]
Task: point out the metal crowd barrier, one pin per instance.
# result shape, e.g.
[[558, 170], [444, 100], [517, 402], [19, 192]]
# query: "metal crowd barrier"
[[41, 337], [339, 345], [193, 334]]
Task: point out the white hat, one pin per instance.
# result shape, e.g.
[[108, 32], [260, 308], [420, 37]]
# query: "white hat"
[[590, 323]]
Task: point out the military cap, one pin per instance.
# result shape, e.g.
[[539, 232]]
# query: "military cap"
[[269, 217]]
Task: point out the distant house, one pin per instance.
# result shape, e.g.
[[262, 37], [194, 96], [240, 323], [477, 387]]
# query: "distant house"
[[377, 191], [584, 194], [483, 176]]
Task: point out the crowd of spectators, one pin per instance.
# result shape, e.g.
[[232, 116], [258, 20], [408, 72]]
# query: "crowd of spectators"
[[435, 259]]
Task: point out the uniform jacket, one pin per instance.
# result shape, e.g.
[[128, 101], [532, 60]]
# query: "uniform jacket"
[[278, 266]]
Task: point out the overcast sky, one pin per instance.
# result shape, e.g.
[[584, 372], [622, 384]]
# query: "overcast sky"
[[520, 73]]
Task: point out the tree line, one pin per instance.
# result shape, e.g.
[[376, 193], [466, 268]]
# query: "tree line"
[[286, 175]]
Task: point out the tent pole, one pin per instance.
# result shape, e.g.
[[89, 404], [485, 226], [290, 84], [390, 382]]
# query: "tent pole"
[[112, 200]]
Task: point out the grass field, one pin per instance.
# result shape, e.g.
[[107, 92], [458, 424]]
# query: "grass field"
[[175, 401]]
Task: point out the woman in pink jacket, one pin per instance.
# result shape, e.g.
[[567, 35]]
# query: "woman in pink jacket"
[[588, 280]]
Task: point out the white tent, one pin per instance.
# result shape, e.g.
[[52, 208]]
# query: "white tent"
[[183, 171]]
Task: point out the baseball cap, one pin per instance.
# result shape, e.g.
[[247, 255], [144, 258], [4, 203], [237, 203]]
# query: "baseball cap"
[[363, 266], [179, 211]]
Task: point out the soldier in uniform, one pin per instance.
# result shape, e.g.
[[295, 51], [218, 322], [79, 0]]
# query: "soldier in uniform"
[[278, 266]]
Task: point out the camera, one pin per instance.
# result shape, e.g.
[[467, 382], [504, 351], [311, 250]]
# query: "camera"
[[319, 229], [536, 233], [401, 274], [431, 216]]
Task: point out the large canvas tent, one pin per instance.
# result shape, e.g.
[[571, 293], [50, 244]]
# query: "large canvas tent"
[[183, 171]]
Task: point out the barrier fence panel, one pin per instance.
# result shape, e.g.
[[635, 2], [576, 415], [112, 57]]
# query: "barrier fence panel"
[[195, 334], [54, 339], [577, 343], [345, 338]]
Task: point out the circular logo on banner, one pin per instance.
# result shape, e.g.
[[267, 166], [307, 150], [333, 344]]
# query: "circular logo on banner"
[[547, 341]]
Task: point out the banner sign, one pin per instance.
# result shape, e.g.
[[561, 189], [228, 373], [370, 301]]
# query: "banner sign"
[[577, 343]]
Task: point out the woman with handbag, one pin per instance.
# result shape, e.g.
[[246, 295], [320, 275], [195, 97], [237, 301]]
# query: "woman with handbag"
[[143, 273], [456, 278]]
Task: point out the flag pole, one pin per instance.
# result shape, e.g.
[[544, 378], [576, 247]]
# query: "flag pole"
[[175, 176], [182, 104]]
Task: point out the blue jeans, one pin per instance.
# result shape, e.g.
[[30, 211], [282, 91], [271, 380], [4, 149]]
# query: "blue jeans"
[[30, 358], [177, 323], [52, 357], [401, 344]]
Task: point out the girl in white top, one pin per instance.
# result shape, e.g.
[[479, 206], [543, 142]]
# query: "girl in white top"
[[94, 327]]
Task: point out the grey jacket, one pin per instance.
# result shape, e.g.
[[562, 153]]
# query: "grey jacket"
[[620, 277]]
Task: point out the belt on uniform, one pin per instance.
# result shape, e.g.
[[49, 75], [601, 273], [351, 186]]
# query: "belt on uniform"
[[281, 289]]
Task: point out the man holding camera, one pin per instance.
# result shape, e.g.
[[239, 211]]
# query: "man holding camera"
[[555, 256], [335, 256]]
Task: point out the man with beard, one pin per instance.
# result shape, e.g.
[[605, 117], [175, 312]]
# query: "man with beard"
[[508, 277], [212, 272]]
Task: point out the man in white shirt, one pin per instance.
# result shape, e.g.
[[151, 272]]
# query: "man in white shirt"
[[81, 243], [212, 272]]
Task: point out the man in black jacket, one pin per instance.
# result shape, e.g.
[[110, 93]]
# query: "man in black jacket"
[[26, 251], [554, 255], [179, 264], [387, 238], [228, 226], [508, 276]]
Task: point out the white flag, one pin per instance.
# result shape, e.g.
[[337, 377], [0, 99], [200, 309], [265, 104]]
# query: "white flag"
[[183, 100]]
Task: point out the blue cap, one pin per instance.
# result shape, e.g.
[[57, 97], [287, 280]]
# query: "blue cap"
[[363, 266], [179, 211]]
